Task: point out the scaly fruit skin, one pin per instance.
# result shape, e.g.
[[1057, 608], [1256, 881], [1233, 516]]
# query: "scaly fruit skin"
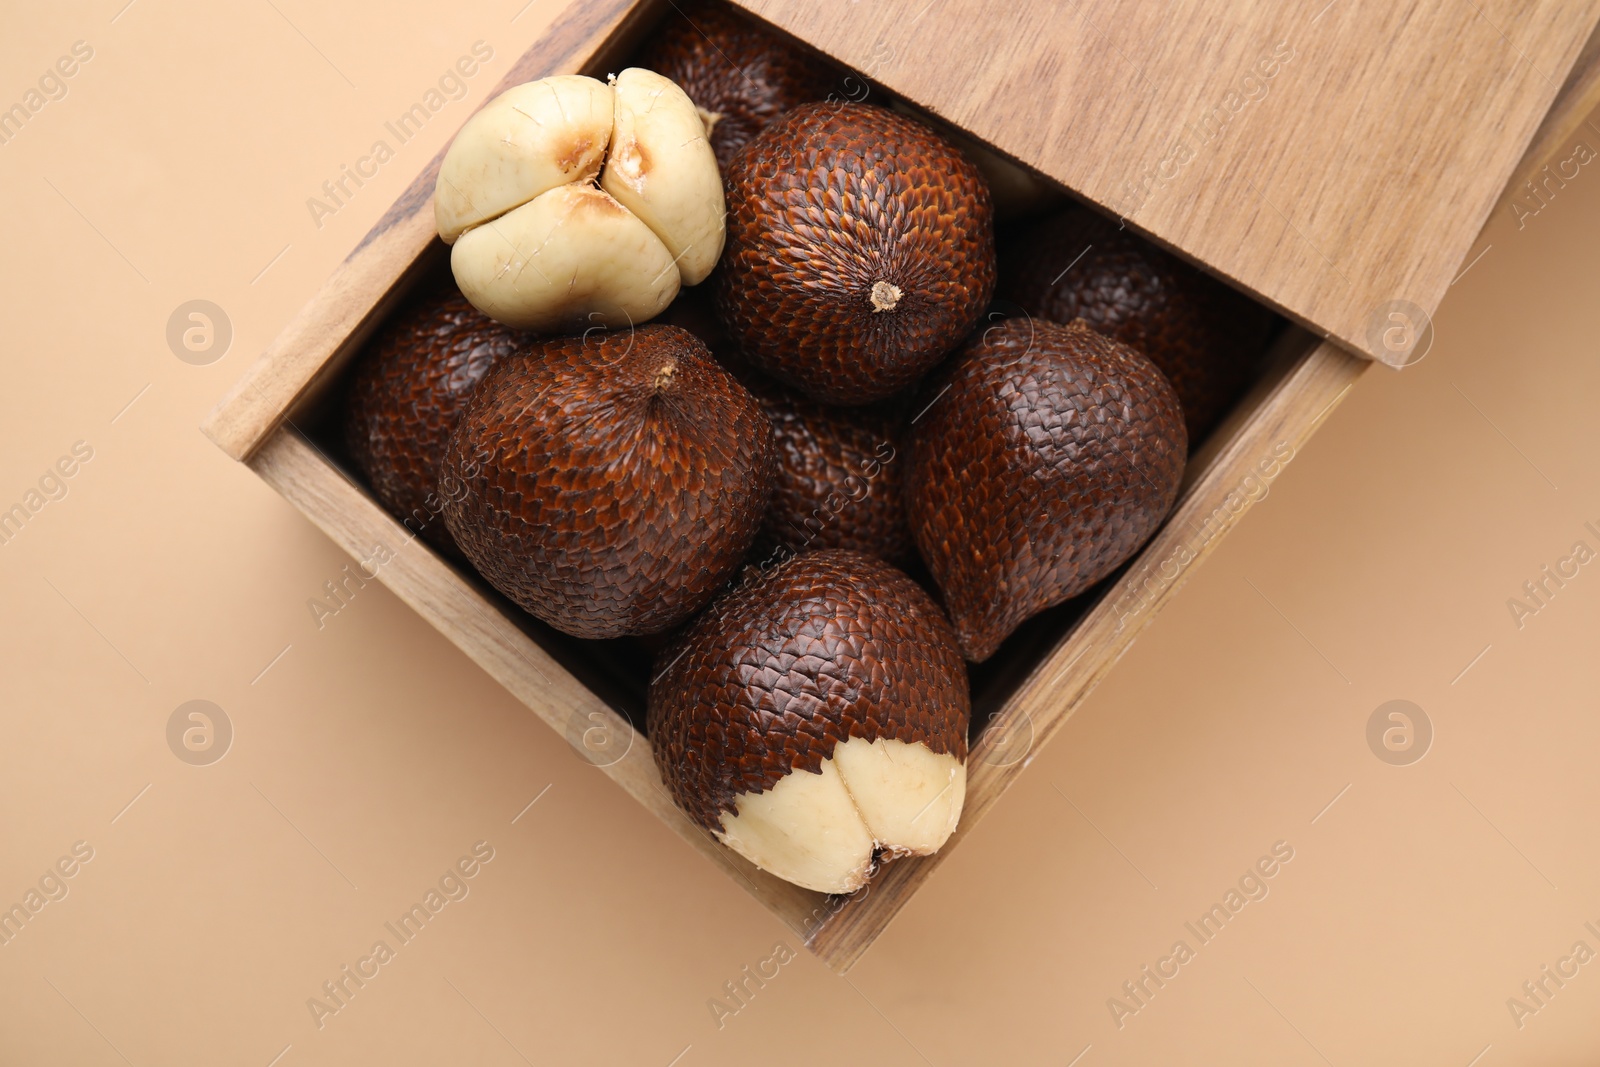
[[838, 476], [407, 392], [825, 647], [609, 484], [1051, 456], [1204, 336], [860, 251], [740, 74]]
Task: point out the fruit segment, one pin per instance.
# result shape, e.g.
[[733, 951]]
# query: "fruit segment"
[[572, 256], [662, 169], [806, 830], [526, 141], [827, 831], [909, 796]]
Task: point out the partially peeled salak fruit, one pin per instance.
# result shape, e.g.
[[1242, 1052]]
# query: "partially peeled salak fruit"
[[815, 720], [576, 203]]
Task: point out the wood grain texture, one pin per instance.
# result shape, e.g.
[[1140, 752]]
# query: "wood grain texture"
[[1356, 174], [358, 295], [1571, 119]]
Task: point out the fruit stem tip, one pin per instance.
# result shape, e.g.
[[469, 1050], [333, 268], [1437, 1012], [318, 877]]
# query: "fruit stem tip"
[[885, 295], [665, 373]]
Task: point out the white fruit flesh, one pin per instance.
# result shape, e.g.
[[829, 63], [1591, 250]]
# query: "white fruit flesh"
[[661, 167], [805, 829], [819, 831], [571, 257], [538, 244], [526, 141], [909, 795]]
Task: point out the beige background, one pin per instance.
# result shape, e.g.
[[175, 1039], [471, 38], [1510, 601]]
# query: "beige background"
[[372, 755]]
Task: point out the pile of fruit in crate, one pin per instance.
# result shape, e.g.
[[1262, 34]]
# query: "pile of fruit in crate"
[[723, 361]]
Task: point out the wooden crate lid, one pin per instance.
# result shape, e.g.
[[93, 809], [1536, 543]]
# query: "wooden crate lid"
[[1332, 159]]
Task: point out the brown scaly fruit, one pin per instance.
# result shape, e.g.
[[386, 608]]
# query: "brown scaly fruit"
[[609, 484], [1046, 457], [838, 476], [408, 390], [1204, 336], [739, 74], [860, 251], [815, 720]]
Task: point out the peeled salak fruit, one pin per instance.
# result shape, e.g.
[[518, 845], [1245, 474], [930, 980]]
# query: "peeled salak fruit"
[[1045, 456], [815, 720], [609, 484], [574, 203]]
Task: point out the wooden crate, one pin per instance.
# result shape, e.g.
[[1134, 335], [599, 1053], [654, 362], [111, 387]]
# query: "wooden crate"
[[1407, 245]]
